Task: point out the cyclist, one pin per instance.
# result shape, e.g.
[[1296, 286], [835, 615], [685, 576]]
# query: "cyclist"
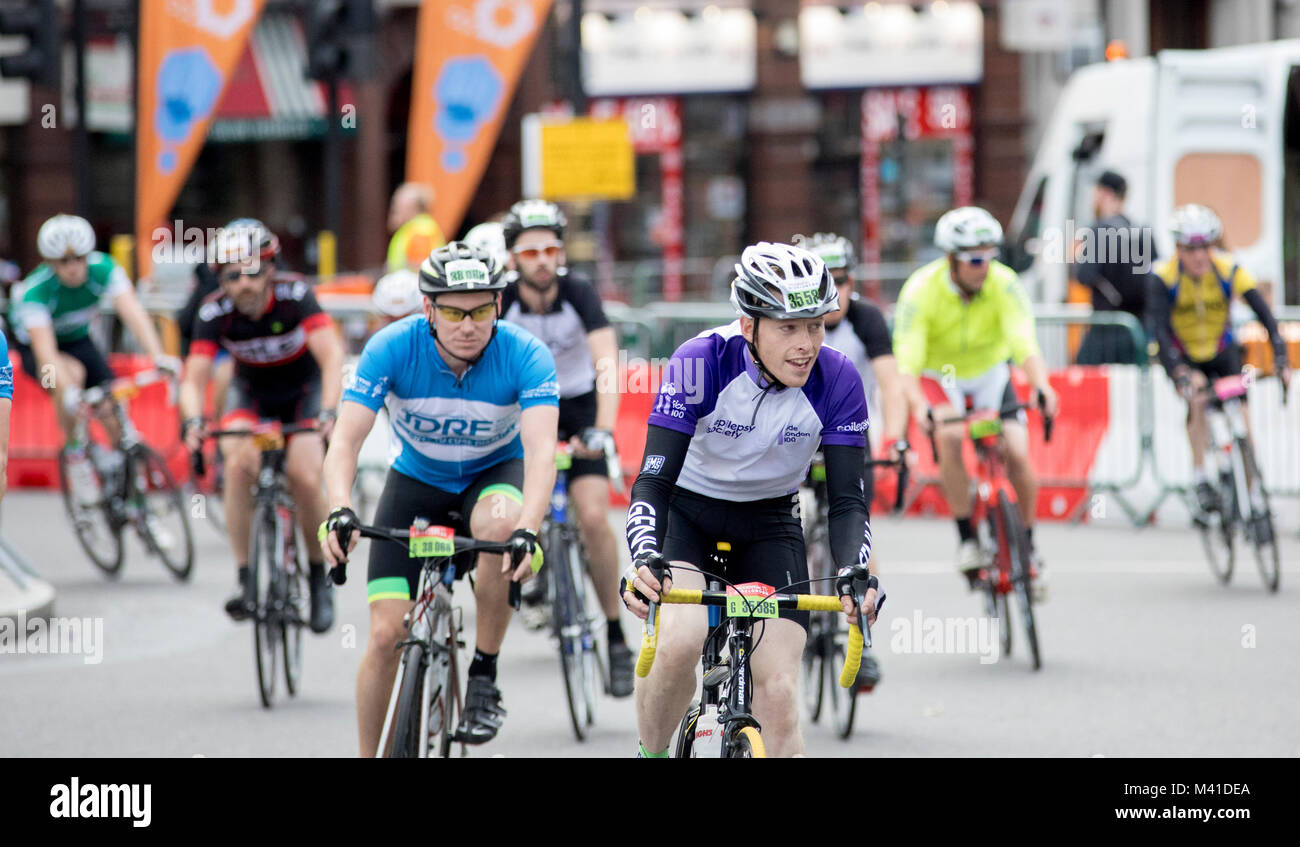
[[563, 310], [959, 319], [415, 232], [858, 330], [472, 405], [51, 312], [1188, 306], [287, 369], [740, 412]]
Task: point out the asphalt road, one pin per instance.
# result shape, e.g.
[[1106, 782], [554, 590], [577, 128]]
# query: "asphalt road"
[[1144, 655]]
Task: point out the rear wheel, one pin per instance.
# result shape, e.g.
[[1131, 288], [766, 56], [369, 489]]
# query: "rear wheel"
[[747, 744], [98, 534], [163, 522], [844, 701], [813, 677], [1021, 572], [406, 722], [267, 635]]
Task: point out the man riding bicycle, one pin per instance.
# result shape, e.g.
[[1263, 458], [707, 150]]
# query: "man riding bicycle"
[[51, 312], [959, 319], [858, 330], [288, 363], [1188, 304], [741, 411], [562, 310], [472, 407]]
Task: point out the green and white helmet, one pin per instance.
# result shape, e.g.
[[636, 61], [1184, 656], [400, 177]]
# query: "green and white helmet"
[[532, 214], [835, 250], [966, 228], [458, 267], [782, 281], [65, 235]]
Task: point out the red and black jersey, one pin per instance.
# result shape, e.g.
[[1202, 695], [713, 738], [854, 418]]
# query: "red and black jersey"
[[271, 352]]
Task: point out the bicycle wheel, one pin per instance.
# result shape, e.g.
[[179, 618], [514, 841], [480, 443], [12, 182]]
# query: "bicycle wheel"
[[296, 611], [96, 531], [813, 677], [995, 602], [447, 700], [746, 744], [844, 701], [1262, 532], [1217, 527], [407, 720], [685, 738], [163, 522], [569, 629], [262, 540], [1021, 576], [593, 674]]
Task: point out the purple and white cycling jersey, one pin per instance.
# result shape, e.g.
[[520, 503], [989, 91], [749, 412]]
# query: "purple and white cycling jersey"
[[747, 443]]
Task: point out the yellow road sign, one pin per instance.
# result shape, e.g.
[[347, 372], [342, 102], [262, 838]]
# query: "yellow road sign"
[[587, 158]]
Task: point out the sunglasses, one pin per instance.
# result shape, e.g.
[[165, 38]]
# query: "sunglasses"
[[69, 260], [234, 275], [976, 257], [476, 314], [550, 251]]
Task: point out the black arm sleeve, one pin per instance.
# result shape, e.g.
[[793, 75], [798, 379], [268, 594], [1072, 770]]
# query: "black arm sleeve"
[[647, 516], [850, 525], [1157, 316], [1265, 315], [870, 327]]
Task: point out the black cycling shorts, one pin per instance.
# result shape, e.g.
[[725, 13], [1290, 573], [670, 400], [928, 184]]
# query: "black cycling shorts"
[[297, 407], [1226, 363], [393, 574], [83, 350], [577, 414], [766, 540]]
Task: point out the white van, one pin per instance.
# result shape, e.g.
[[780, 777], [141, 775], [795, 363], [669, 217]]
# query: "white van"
[[1219, 127]]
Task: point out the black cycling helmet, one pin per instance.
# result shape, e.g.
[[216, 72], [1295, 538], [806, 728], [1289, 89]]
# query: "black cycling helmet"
[[458, 267], [532, 214]]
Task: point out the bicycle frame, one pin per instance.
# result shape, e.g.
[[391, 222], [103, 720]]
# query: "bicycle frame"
[[1226, 426]]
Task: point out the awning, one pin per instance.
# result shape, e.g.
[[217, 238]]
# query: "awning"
[[268, 96]]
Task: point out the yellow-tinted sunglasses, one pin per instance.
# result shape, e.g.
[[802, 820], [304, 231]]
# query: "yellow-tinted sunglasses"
[[477, 314]]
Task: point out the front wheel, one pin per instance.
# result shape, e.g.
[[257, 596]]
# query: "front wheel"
[[297, 609], [813, 661], [267, 633], [570, 630], [96, 530], [1021, 571], [844, 701], [1260, 527], [407, 720], [747, 744], [162, 520]]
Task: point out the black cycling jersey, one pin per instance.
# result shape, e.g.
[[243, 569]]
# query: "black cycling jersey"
[[564, 328], [270, 353]]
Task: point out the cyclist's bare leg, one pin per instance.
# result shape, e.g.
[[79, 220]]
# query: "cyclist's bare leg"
[[242, 462], [68, 373], [107, 415], [494, 518], [952, 470], [591, 501], [1198, 430], [1015, 442], [662, 697], [303, 461], [378, 668], [776, 680]]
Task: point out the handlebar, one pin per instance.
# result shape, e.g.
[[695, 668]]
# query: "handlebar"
[[801, 602], [1005, 411], [126, 387], [461, 544], [199, 465], [900, 467]]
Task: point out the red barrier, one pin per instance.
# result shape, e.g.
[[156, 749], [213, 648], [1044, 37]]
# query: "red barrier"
[[640, 385]]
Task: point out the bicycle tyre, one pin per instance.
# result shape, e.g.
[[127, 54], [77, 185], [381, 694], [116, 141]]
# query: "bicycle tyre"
[[593, 674], [683, 747], [1217, 528], [813, 673], [568, 635], [296, 611], [163, 484], [1021, 572], [747, 744], [105, 552], [449, 702], [1267, 556], [406, 722], [266, 630], [996, 602], [844, 701]]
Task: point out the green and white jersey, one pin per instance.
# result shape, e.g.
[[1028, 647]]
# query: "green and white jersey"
[[42, 300]]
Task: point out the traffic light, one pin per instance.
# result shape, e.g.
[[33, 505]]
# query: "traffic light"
[[338, 37], [38, 21]]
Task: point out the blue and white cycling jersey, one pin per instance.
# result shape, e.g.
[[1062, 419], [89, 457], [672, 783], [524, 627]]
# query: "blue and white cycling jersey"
[[748, 444], [6, 371], [446, 430]]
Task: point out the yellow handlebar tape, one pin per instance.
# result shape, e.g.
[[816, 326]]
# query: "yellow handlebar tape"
[[852, 657], [682, 597], [819, 603], [648, 647]]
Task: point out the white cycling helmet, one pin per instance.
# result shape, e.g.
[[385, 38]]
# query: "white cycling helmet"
[[65, 235], [397, 294], [965, 228], [491, 238], [1195, 225], [783, 281], [835, 250]]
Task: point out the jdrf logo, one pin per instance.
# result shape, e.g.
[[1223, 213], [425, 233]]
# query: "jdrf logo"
[[92, 800], [445, 426]]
